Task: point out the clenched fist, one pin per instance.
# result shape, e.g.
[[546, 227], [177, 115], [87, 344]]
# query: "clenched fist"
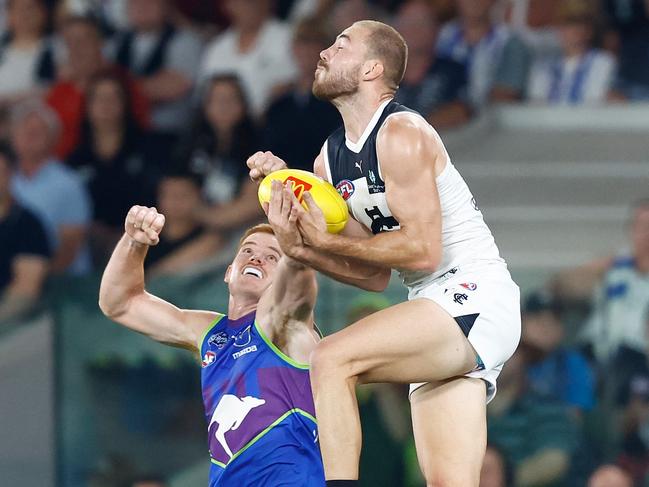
[[261, 164], [144, 225]]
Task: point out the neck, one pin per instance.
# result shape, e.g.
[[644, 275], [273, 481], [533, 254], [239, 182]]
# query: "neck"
[[241, 307], [575, 51], [357, 111], [29, 167], [475, 28], [248, 36], [178, 228], [25, 39]]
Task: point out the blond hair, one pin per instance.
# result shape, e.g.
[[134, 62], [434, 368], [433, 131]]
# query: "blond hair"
[[260, 228]]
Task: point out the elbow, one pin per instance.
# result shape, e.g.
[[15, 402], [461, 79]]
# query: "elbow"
[[107, 308], [379, 282], [429, 260]]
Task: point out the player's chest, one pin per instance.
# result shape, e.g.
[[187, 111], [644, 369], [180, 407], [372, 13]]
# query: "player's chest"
[[228, 349]]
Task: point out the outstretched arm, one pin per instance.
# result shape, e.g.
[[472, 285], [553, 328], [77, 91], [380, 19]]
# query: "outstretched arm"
[[122, 296], [408, 149], [289, 301]]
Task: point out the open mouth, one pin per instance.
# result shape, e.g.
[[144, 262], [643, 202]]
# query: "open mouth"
[[252, 271]]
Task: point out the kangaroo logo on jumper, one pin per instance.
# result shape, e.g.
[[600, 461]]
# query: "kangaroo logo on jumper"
[[299, 187], [218, 340], [372, 177], [243, 338], [345, 188], [229, 414]]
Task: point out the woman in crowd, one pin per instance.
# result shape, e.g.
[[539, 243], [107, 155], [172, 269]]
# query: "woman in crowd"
[[26, 54], [217, 148], [119, 161]]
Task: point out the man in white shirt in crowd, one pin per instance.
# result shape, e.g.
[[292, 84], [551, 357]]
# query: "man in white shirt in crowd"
[[256, 47], [497, 61]]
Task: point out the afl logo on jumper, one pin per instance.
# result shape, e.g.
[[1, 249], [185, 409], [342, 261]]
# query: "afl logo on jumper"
[[208, 359], [345, 188]]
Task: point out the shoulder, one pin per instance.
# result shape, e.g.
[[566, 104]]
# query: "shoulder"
[[403, 126], [221, 42]]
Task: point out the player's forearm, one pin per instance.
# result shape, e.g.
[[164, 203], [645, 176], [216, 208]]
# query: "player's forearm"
[[294, 289], [123, 277], [396, 250], [346, 270]]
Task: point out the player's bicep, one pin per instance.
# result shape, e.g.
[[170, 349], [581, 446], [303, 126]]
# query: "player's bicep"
[[408, 150], [165, 322]]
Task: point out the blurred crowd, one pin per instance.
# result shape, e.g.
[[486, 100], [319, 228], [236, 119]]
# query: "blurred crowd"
[[107, 104]]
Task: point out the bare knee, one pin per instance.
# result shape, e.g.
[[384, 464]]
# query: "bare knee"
[[328, 362]]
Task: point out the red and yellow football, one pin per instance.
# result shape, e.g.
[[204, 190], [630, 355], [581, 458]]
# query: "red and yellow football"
[[324, 194]]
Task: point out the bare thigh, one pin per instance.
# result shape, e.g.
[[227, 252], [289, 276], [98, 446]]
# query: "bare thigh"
[[415, 341], [450, 429]]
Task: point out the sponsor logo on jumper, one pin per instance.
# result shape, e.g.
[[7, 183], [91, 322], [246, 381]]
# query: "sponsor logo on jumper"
[[471, 286], [208, 359], [345, 188], [459, 298], [299, 187], [243, 352], [359, 165], [229, 413]]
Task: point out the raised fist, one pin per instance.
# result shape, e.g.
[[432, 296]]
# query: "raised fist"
[[261, 164], [144, 224]]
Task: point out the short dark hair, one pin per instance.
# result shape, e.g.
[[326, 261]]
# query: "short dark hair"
[[182, 172], [386, 44]]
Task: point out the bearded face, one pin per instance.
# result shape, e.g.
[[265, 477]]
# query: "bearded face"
[[331, 82]]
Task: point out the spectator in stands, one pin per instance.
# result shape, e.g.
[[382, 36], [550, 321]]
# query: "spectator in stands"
[[634, 456], [84, 59], [610, 476], [582, 73], [50, 189], [535, 22], [223, 138], [496, 60], [184, 243], [496, 471], [536, 433], [26, 54], [629, 21], [24, 251], [433, 86], [345, 12], [554, 370], [119, 161], [618, 320], [257, 48], [297, 123], [164, 59]]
